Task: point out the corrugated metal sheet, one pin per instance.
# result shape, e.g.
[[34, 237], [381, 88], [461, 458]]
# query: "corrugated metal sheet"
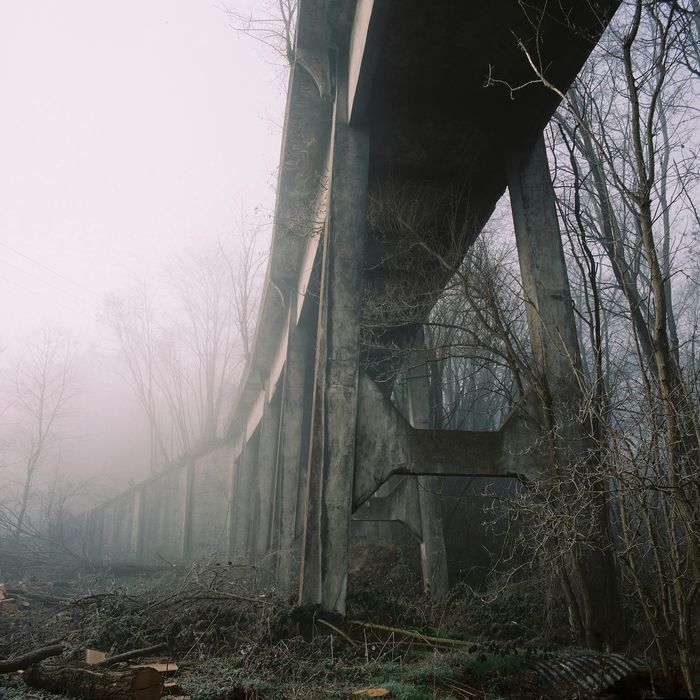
[[588, 672]]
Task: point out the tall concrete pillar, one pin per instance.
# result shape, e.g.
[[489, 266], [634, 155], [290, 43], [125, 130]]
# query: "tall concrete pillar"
[[332, 456], [293, 447], [243, 501], [265, 471], [94, 531], [139, 524], [558, 367], [186, 542], [545, 280], [433, 554]]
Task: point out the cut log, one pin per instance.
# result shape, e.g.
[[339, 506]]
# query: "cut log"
[[32, 657], [374, 692], [91, 683], [133, 654], [94, 656], [9, 605], [161, 666]]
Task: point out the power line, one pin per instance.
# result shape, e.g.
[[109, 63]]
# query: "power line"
[[43, 281], [53, 272], [72, 309]]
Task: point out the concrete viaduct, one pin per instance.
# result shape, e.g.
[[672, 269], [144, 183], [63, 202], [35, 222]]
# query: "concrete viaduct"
[[416, 111]]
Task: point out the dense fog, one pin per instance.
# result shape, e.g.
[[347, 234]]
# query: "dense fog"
[[139, 145]]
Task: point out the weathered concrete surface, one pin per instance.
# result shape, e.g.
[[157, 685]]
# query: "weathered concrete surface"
[[265, 473], [400, 504], [365, 43], [441, 139], [431, 147], [293, 454], [558, 366], [333, 441], [512, 451], [242, 507], [433, 555]]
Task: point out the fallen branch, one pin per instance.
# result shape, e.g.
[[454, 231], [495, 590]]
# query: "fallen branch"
[[134, 653], [339, 632], [41, 597], [32, 657], [414, 635], [242, 597]]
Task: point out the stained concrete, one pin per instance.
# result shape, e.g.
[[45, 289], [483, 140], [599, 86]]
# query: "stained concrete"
[[430, 145]]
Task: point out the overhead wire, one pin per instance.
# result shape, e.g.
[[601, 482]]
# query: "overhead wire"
[[72, 309], [52, 271], [46, 282]]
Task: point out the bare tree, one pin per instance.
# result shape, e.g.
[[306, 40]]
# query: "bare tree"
[[184, 342], [246, 270], [42, 390], [627, 170], [133, 320], [273, 24]]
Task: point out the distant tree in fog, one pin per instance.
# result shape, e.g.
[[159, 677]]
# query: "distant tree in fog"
[[245, 275], [38, 395], [184, 339], [132, 319]]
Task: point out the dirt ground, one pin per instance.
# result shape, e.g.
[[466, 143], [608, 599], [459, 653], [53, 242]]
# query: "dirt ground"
[[232, 639]]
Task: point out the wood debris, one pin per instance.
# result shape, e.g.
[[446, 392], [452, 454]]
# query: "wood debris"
[[94, 683], [32, 657], [133, 654], [10, 601], [94, 656], [160, 666]]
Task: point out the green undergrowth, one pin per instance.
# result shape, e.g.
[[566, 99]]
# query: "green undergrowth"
[[443, 675], [314, 670]]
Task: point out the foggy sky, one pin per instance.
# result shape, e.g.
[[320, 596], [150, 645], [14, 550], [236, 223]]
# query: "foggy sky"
[[129, 130]]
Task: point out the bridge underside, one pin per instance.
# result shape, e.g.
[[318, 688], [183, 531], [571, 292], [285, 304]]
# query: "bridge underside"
[[452, 101], [406, 120]]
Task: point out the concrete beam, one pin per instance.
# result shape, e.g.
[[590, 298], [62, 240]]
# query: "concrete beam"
[[400, 505], [512, 451], [301, 184], [365, 41]]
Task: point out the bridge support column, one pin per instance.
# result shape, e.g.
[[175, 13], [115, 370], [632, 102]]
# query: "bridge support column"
[[332, 454], [265, 471], [186, 541], [242, 510], [558, 366], [433, 554], [293, 448], [94, 531]]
